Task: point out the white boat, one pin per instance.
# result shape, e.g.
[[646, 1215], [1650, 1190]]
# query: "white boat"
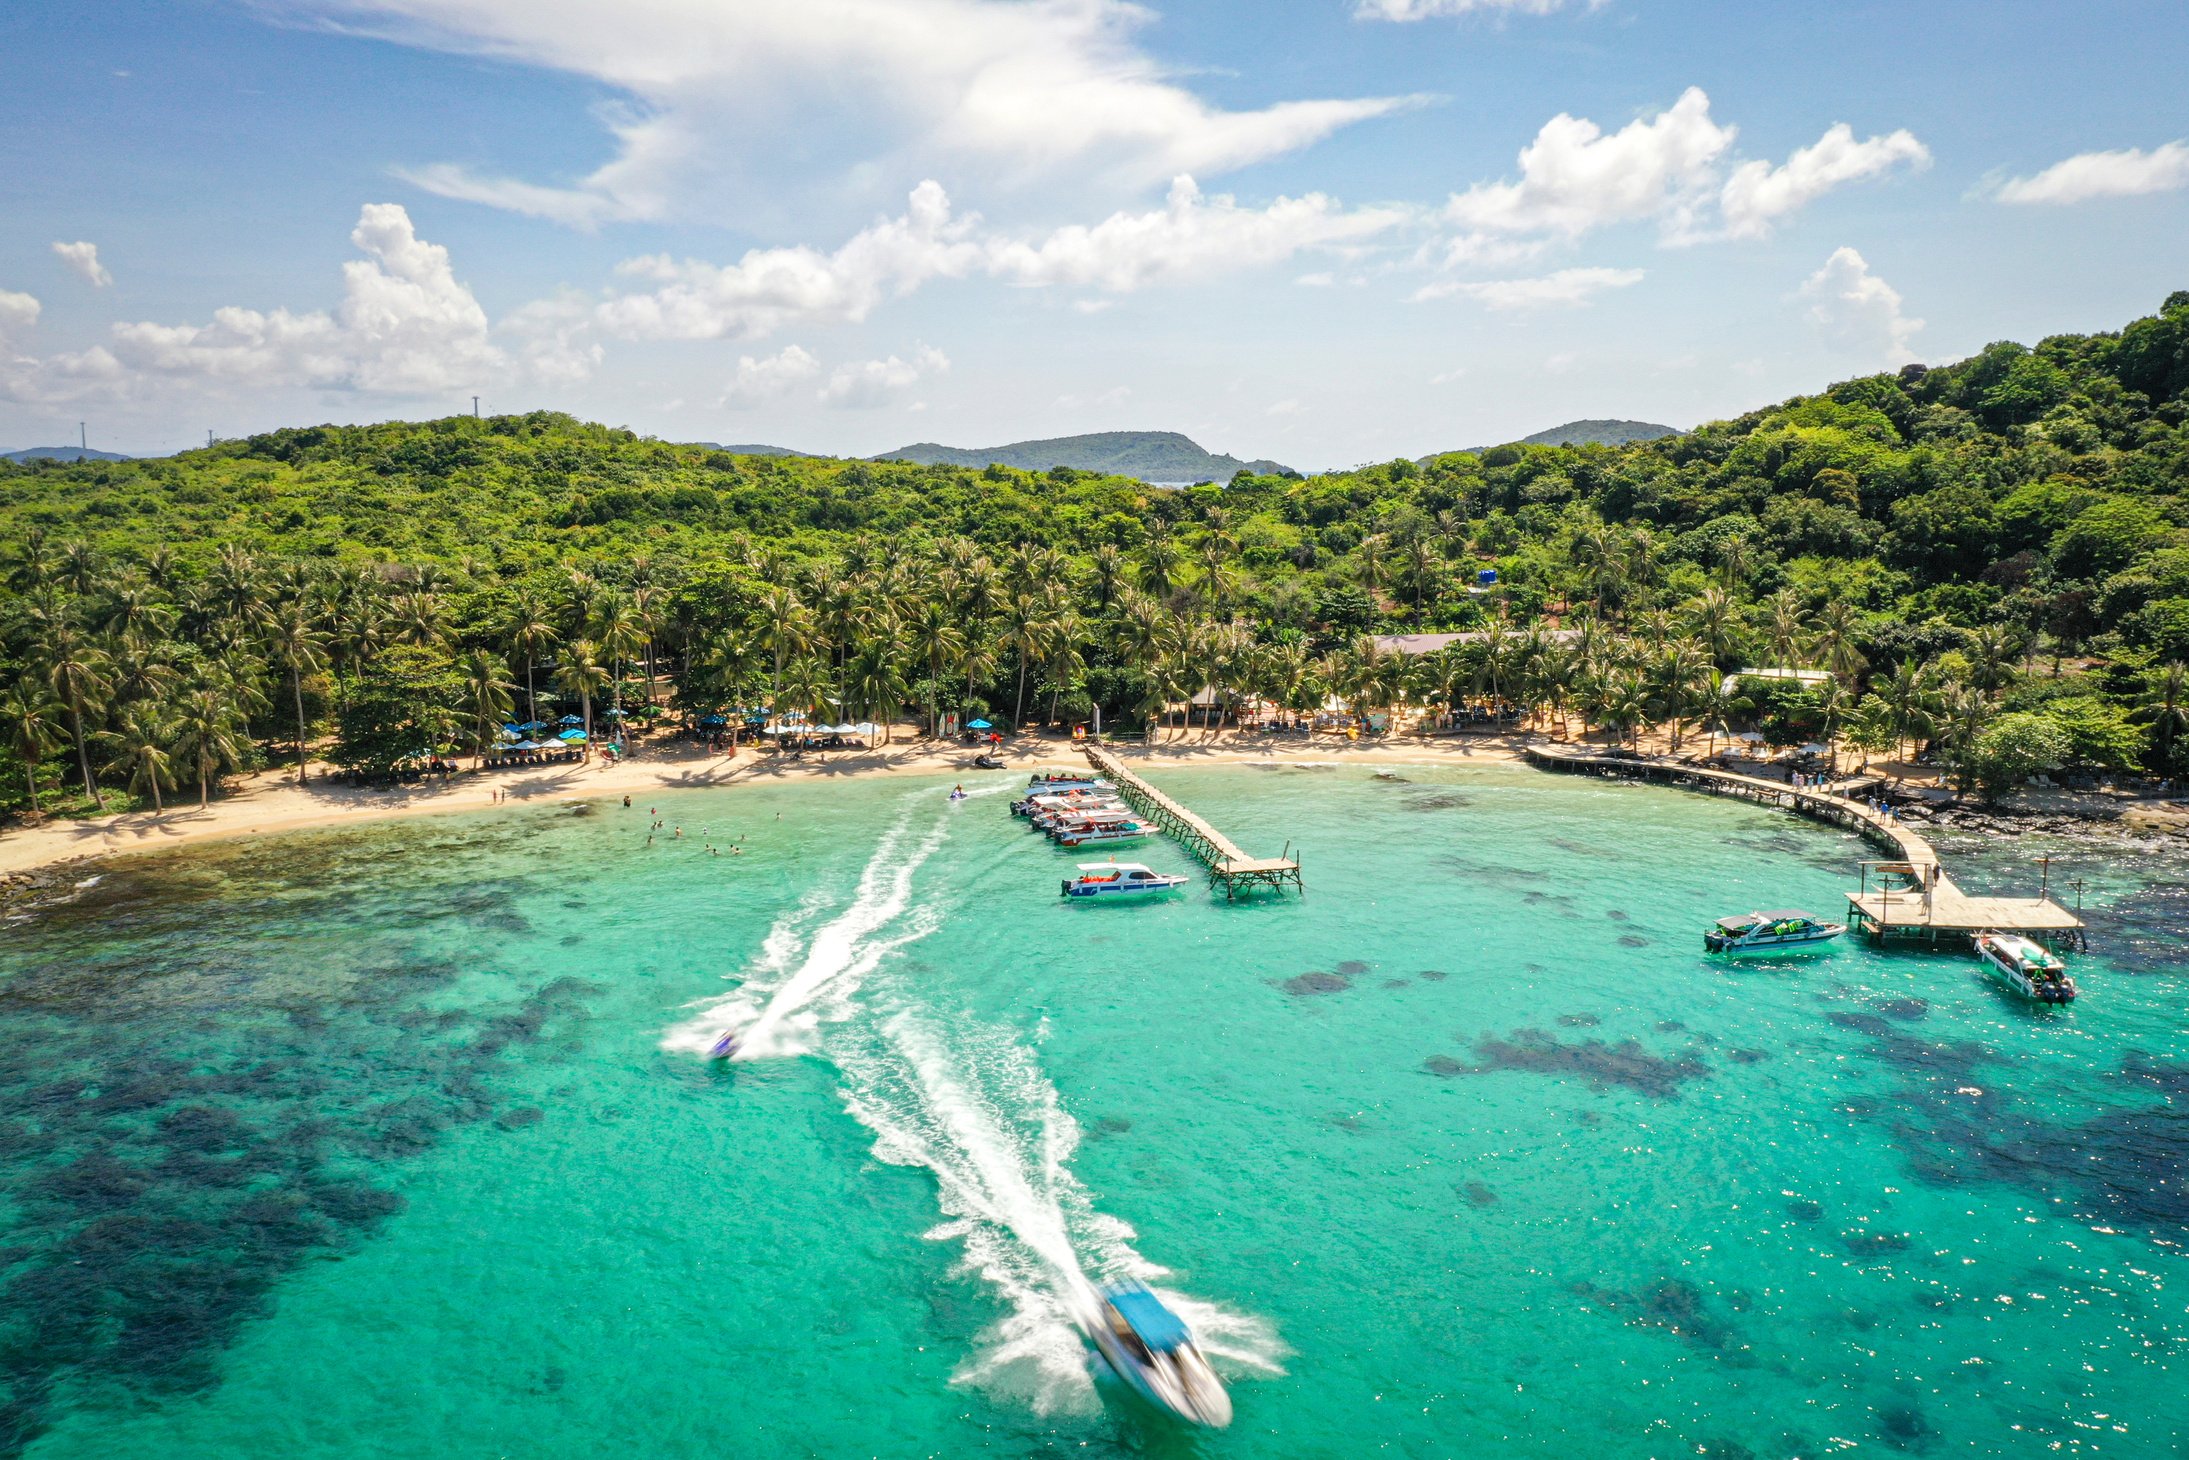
[[1152, 1350], [1119, 879], [1785, 931], [1103, 833], [2026, 967]]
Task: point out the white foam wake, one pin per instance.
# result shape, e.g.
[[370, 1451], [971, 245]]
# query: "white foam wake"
[[972, 1107], [786, 995]]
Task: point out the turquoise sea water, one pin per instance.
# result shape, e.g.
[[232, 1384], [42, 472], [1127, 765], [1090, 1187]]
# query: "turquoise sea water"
[[401, 1141]]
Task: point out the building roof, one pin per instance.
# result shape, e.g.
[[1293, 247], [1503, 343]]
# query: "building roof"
[[1806, 676], [1430, 643]]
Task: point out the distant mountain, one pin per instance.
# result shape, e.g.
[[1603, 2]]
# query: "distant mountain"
[[1592, 433], [61, 453], [1162, 457], [750, 450]]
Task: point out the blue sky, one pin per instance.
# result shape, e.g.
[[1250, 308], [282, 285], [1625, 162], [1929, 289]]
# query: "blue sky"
[[843, 225]]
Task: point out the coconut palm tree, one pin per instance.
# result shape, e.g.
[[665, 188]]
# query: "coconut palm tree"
[[487, 695], [2166, 707], [1027, 632], [77, 672], [877, 684], [140, 756], [578, 671], [33, 723], [935, 640], [529, 631], [789, 632], [294, 642], [207, 739], [1720, 700]]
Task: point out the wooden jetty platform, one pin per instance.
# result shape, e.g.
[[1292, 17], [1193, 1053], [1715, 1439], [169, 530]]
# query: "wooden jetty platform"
[[1229, 867], [1912, 900]]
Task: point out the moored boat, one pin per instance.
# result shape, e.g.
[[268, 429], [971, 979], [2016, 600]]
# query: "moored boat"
[[1119, 879], [1152, 1350], [2027, 967], [1785, 931], [1102, 833]]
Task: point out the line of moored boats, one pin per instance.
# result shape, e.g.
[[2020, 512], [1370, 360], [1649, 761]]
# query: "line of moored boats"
[[2021, 964], [1086, 811]]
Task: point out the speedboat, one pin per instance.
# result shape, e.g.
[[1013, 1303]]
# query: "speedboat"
[[1776, 932], [2026, 967], [1119, 879], [1103, 833], [1152, 1350]]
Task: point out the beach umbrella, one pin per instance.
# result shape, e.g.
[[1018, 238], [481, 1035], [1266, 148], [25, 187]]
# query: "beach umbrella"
[[526, 745], [513, 728], [571, 736], [1814, 748], [615, 714], [533, 725], [712, 720], [1749, 737], [570, 720], [977, 725]]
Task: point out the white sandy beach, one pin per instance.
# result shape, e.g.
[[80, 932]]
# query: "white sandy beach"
[[272, 802]]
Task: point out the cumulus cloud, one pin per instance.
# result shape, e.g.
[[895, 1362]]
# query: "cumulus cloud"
[[83, 260], [1674, 169], [1758, 195], [1190, 236], [872, 383], [1857, 309], [18, 312], [771, 287], [1025, 87], [1567, 287], [1406, 10], [405, 326], [2129, 173], [762, 380]]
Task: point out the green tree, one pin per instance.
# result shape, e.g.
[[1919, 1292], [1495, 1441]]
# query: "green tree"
[[2017, 746], [33, 723]]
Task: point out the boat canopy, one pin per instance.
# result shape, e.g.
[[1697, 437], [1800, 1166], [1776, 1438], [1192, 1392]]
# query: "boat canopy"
[[1158, 1327], [1111, 867]]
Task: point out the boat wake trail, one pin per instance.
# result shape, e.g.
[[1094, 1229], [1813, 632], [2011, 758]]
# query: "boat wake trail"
[[788, 995], [972, 1107]]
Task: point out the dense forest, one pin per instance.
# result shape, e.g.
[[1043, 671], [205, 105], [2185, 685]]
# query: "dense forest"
[[1988, 557]]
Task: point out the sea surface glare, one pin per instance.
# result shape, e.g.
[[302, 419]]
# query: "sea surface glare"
[[406, 1140]]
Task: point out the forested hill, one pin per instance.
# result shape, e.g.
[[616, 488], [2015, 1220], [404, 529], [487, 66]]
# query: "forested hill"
[[60, 453], [1150, 456], [1994, 554], [1598, 433]]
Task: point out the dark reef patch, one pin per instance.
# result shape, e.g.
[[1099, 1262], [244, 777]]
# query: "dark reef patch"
[[1306, 985], [1602, 1066], [1906, 1011], [1633, 940], [1904, 1427], [1805, 1211], [1616, 915], [1747, 1056], [1436, 801], [1432, 975], [1396, 983], [1580, 1021], [1672, 1304], [1352, 968], [1475, 1194]]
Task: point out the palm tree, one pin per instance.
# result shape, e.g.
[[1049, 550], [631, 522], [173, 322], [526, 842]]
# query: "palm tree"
[[1026, 633], [1836, 642], [579, 672], [77, 672], [139, 756], [206, 727], [789, 631], [529, 631], [296, 644], [487, 694], [2166, 706], [935, 641], [877, 684], [616, 627], [1911, 695], [1720, 700], [33, 722]]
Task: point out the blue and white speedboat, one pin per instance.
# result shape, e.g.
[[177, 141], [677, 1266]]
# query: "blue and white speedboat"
[[1119, 879], [1787, 930], [1152, 1350]]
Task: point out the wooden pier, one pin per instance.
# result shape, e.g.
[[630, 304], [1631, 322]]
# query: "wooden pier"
[[1912, 900], [1229, 867]]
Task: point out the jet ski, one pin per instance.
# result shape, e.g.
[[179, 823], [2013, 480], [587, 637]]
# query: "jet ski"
[[987, 763], [960, 794], [724, 1047], [1152, 1350]]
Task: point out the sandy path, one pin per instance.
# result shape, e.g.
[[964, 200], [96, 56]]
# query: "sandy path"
[[270, 803]]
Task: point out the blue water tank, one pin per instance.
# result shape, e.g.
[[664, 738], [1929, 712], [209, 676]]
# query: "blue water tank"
[[1486, 577]]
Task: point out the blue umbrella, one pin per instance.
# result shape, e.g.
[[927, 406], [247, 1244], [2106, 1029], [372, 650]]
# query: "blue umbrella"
[[572, 736], [533, 725], [571, 720], [615, 714], [712, 720], [512, 726], [978, 725]]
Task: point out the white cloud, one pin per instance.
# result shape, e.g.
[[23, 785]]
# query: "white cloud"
[[1857, 309], [1321, 279], [769, 288], [1449, 377], [712, 85], [2130, 173], [1669, 169], [405, 326], [872, 383], [1568, 287], [1286, 407], [83, 260], [1757, 195], [18, 312], [1405, 10], [764, 380], [1116, 395], [1190, 236], [1574, 177]]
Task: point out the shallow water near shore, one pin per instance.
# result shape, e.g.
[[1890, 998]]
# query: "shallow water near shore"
[[403, 1140]]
